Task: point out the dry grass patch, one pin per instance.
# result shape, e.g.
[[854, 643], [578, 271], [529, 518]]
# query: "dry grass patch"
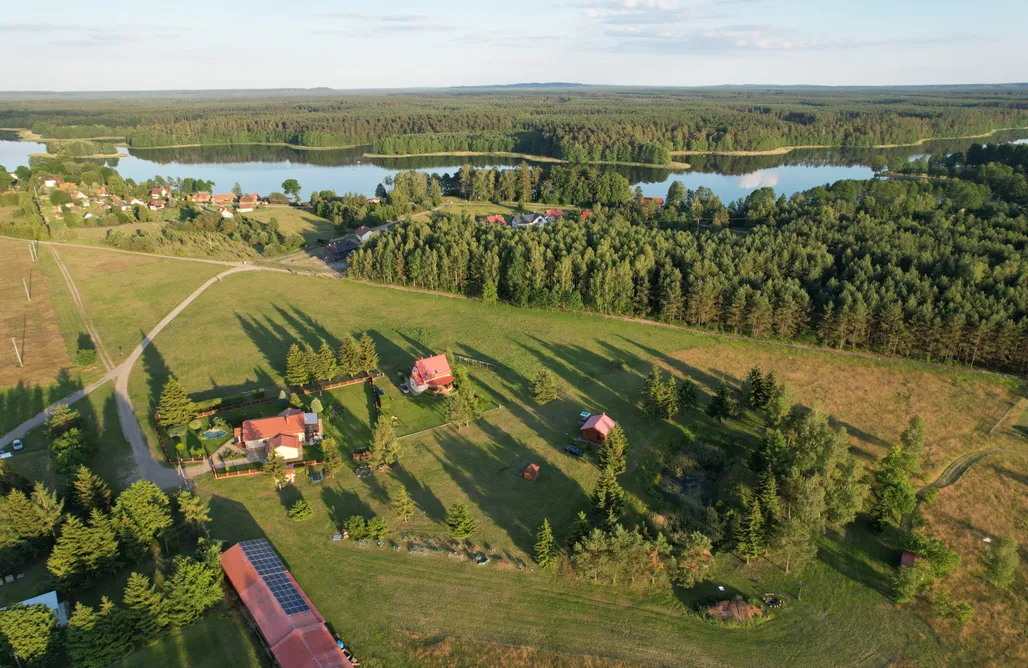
[[33, 324], [874, 400], [87, 262], [989, 501]]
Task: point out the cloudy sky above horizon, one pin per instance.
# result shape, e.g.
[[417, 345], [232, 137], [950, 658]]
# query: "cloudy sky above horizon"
[[121, 45]]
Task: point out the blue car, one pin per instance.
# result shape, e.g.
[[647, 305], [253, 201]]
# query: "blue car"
[[574, 451]]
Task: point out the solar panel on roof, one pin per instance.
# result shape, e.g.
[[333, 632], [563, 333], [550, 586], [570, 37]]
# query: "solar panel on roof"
[[285, 593], [262, 557]]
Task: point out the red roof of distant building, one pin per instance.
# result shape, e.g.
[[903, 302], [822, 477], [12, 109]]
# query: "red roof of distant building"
[[362, 230], [658, 200], [374, 200], [298, 640], [908, 558], [602, 423], [586, 214], [222, 198], [554, 213], [289, 421], [200, 197], [248, 199], [496, 219], [434, 371]]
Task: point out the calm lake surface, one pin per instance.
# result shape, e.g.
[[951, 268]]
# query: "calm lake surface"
[[264, 168]]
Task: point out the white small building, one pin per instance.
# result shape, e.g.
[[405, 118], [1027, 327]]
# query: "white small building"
[[528, 220], [49, 599]]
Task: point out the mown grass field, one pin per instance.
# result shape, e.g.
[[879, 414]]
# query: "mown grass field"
[[293, 220], [126, 295], [841, 606]]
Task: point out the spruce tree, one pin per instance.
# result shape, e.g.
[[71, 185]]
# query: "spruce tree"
[[327, 366], [545, 551], [331, 460], [771, 506], [146, 608], [688, 394], [579, 530], [90, 491], [544, 389], [192, 588], [669, 404], [274, 469], [195, 511], [756, 390], [48, 508], [460, 521], [296, 368], [403, 505], [81, 637], [608, 498], [385, 449], [368, 356], [350, 356], [175, 406], [27, 631], [751, 540], [722, 405], [612, 451], [653, 392], [311, 362], [143, 512]]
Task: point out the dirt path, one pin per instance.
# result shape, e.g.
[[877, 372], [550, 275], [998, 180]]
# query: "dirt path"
[[77, 298], [959, 466]]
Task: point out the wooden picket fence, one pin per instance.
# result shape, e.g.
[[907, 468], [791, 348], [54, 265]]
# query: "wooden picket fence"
[[255, 471]]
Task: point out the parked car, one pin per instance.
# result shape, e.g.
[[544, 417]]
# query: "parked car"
[[574, 450], [18, 445], [404, 388]]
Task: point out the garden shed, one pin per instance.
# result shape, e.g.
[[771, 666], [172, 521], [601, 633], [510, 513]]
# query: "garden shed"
[[531, 472]]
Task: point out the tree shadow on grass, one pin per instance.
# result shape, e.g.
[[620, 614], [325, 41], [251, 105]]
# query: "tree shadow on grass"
[[488, 476], [423, 496], [862, 554], [232, 522], [1013, 475], [342, 504]]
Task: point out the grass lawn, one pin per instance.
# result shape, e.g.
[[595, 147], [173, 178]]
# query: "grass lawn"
[[219, 640], [126, 295], [293, 220]]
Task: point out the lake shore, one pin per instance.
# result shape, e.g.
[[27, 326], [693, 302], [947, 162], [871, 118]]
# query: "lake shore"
[[782, 150]]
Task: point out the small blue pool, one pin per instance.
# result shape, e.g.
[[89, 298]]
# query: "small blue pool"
[[214, 433]]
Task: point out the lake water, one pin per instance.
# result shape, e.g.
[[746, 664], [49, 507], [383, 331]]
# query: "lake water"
[[263, 168]]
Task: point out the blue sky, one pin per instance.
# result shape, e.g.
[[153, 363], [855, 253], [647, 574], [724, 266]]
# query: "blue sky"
[[121, 45]]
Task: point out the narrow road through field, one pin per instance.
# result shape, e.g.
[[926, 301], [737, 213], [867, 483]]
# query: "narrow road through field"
[[101, 352]]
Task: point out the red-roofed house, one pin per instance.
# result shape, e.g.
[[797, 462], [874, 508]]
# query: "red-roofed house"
[[247, 203], [430, 373], [374, 200], [224, 198], [586, 214], [597, 427], [157, 193], [200, 198], [496, 219], [285, 434], [292, 627], [658, 200], [554, 215]]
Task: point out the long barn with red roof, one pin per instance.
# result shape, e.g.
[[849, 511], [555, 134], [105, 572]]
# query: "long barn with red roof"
[[291, 626]]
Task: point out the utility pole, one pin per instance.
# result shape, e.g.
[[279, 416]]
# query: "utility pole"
[[26, 284], [31, 253], [17, 352]]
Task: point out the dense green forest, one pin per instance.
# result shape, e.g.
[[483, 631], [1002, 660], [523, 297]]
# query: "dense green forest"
[[578, 124], [934, 270]]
